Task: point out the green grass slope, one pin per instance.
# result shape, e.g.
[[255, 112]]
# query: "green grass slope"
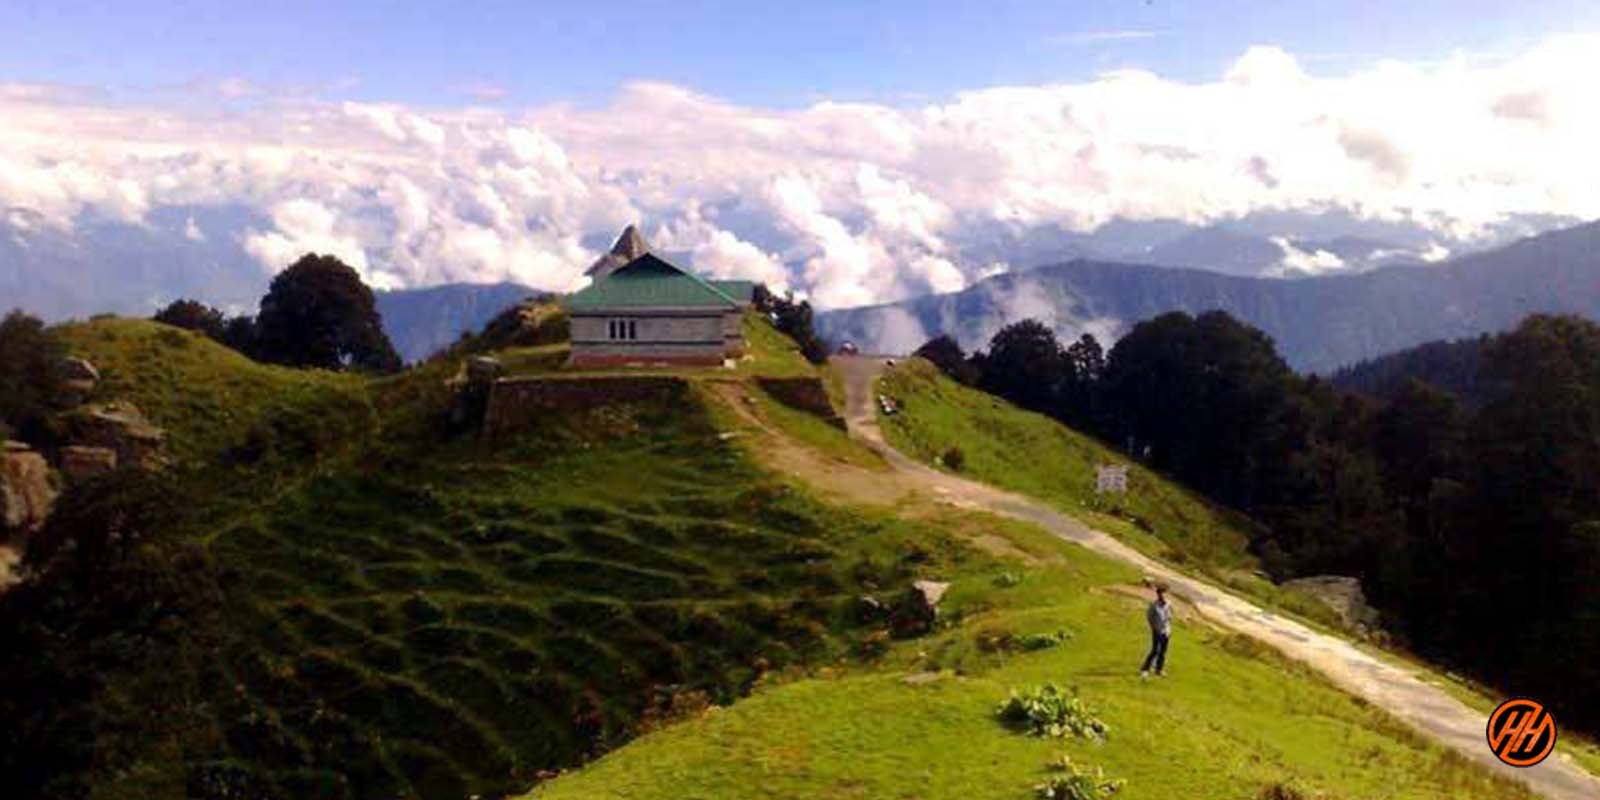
[[215, 403], [1034, 455], [410, 613], [465, 620], [1233, 720]]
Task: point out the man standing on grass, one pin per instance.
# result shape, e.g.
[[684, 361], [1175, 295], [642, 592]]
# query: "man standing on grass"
[[1159, 615]]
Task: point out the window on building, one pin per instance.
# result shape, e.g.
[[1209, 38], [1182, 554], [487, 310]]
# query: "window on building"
[[618, 329]]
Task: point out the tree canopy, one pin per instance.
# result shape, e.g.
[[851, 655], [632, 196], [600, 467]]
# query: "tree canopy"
[[1474, 523], [30, 374], [195, 316], [944, 352], [318, 313]]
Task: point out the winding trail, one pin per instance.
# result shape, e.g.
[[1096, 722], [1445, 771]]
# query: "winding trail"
[[1391, 686]]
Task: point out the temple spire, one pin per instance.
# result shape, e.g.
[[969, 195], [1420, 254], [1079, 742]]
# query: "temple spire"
[[630, 245]]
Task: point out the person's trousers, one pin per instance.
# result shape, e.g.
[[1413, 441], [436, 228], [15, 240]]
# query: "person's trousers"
[[1157, 659]]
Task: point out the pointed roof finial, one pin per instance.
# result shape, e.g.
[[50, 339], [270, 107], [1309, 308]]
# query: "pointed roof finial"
[[630, 245]]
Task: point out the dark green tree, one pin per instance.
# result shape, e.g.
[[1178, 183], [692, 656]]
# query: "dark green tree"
[[30, 375], [1026, 365], [117, 589], [195, 316], [944, 352], [795, 319], [1080, 386], [1209, 398], [240, 334], [1529, 558], [318, 313]]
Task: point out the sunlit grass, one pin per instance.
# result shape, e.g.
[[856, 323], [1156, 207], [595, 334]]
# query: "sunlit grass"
[[1232, 718]]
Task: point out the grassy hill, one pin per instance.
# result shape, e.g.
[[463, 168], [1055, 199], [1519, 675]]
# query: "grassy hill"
[[1234, 719], [409, 612], [214, 401], [1034, 455]]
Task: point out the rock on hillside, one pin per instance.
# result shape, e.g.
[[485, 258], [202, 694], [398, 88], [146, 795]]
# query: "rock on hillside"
[[121, 428], [26, 490]]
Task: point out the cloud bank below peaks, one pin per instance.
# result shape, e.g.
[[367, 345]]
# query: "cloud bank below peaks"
[[848, 203]]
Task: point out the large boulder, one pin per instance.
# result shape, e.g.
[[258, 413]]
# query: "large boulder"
[[1343, 594], [484, 369], [78, 378], [80, 462], [918, 609], [122, 428], [26, 490]]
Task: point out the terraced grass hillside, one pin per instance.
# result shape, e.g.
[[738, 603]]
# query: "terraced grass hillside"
[[1232, 720], [406, 612], [458, 623]]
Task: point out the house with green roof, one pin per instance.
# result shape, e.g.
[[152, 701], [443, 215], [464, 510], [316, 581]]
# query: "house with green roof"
[[649, 311]]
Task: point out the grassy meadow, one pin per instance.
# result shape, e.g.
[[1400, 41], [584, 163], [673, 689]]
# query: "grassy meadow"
[[1232, 720], [624, 595], [1034, 455]]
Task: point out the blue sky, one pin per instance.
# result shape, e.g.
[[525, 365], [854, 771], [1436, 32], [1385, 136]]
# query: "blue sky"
[[774, 54]]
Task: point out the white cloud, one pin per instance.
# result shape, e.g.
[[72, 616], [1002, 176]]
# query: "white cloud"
[[304, 226], [846, 202], [1297, 261]]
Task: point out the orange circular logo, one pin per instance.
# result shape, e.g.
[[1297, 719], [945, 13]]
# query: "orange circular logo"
[[1521, 732]]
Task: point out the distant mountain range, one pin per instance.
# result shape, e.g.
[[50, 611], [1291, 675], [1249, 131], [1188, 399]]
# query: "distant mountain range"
[[1319, 323], [421, 322], [1247, 247], [98, 264]]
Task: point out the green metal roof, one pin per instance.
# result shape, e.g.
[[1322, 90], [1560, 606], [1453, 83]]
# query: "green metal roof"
[[743, 291], [649, 281]]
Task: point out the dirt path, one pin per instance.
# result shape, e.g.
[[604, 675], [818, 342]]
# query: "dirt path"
[[1388, 685]]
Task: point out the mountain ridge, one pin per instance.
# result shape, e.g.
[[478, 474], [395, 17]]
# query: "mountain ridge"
[[1320, 323]]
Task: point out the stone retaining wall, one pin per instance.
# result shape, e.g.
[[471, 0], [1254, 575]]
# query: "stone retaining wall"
[[803, 394], [513, 401]]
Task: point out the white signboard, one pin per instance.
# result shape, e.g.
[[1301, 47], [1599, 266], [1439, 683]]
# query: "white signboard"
[[1111, 479]]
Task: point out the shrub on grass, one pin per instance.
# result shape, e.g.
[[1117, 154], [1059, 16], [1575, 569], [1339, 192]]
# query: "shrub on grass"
[[1287, 790], [874, 645], [1074, 783], [1030, 642], [954, 459], [1006, 580], [995, 640], [1047, 710]]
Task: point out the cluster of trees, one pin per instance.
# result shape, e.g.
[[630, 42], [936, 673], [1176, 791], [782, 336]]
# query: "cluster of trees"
[[794, 318], [118, 587], [1474, 526], [317, 313], [30, 377], [1453, 366]]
